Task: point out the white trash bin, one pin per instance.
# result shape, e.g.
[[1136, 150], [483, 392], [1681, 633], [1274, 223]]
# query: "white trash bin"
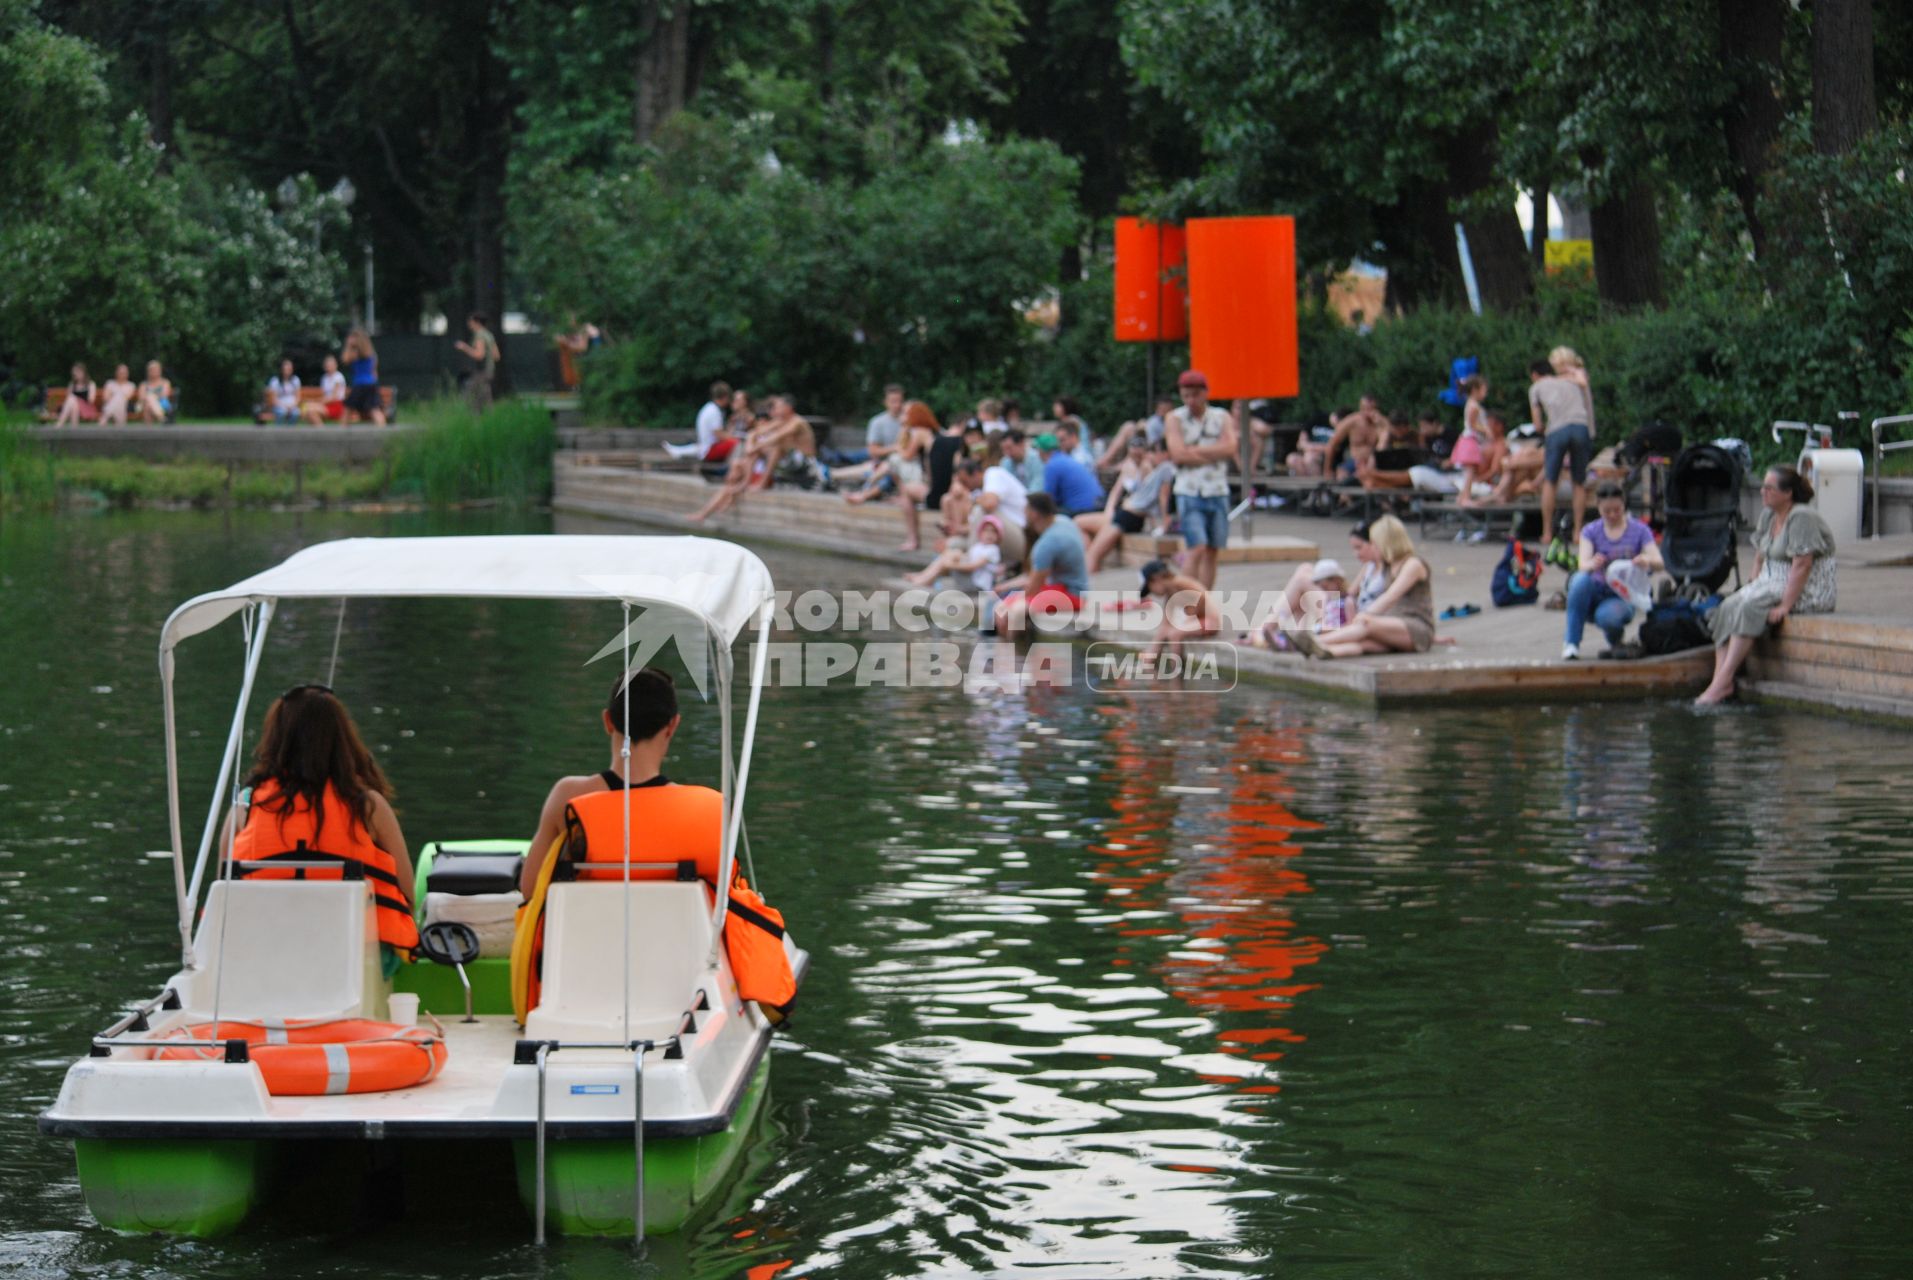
[[1838, 477]]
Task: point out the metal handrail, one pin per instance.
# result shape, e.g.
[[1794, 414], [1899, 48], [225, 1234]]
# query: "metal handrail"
[[536, 1052], [1814, 431], [136, 1020], [1880, 450]]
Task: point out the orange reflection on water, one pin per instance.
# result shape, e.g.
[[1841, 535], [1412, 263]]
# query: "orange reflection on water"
[[1229, 886]]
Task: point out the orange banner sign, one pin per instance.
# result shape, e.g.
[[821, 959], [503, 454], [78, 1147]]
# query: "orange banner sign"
[[1151, 305], [1242, 306]]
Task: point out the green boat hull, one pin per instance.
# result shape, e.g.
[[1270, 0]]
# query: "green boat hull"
[[206, 1189], [199, 1189], [588, 1185]]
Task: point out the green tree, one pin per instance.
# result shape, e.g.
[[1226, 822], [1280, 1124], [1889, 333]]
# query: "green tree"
[[53, 94], [705, 260], [1374, 122]]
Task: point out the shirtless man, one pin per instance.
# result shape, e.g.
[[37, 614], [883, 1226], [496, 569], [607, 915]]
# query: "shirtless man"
[[1356, 439], [1520, 460], [754, 465]]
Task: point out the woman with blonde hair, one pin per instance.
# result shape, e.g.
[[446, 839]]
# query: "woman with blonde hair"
[[1400, 620]]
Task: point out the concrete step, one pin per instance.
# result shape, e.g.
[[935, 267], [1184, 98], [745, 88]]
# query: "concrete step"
[[1860, 704], [1879, 684], [1897, 660]]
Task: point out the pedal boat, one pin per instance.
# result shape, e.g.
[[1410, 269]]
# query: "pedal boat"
[[640, 1054]]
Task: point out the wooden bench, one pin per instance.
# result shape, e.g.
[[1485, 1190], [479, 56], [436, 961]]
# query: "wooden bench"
[[1444, 509], [388, 400]]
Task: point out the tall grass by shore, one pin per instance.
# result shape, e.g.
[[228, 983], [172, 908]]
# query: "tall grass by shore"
[[454, 456], [459, 456]]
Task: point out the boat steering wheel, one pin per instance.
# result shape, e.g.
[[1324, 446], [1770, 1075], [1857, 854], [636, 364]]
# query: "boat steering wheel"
[[448, 942]]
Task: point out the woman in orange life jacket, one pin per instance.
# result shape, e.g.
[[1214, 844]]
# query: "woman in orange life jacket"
[[316, 794], [670, 823]]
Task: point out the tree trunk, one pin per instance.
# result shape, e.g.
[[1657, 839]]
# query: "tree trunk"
[[1502, 274], [159, 68], [1538, 233], [1502, 278], [1750, 49], [1424, 265], [1843, 103], [663, 67], [1627, 248], [489, 127]]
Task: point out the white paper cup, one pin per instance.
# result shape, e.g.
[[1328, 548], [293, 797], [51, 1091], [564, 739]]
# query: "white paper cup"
[[404, 1007]]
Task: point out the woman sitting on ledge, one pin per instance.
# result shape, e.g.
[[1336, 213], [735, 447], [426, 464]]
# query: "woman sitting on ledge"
[[1794, 572], [1401, 619]]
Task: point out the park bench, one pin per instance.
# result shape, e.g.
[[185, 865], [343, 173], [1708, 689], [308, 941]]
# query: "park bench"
[[1443, 510], [388, 400]]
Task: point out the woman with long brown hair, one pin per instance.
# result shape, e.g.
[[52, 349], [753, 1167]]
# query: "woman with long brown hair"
[[315, 794]]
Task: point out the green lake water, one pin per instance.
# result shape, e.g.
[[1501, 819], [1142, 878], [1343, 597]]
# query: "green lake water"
[[1104, 985]]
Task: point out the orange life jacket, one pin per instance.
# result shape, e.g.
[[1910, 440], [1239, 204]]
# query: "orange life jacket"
[[673, 823], [670, 822], [342, 837]]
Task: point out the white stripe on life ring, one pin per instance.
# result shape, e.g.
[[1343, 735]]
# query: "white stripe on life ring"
[[277, 1034], [338, 1068]]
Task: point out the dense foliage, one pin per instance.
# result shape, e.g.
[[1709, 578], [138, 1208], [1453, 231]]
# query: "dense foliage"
[[820, 196], [112, 255], [707, 262]]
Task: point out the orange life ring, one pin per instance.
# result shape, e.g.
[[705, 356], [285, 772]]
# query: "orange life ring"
[[320, 1056]]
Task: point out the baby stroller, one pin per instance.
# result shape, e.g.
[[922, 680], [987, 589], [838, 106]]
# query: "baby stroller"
[[1703, 518]]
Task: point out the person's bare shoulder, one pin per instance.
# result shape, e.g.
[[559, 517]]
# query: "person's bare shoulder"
[[567, 789]]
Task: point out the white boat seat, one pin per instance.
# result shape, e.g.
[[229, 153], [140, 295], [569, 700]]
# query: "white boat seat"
[[583, 986], [292, 949]]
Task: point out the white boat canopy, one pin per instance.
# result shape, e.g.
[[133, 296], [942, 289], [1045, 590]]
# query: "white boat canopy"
[[721, 587], [720, 583]]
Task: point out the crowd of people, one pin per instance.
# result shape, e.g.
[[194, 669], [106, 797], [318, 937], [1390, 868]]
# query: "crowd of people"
[[1481, 462], [1026, 515]]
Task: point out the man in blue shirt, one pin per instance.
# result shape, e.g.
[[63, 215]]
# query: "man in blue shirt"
[[1068, 481], [1059, 575]]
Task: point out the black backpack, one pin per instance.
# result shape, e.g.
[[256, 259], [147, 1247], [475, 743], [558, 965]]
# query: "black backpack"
[[1675, 626], [1517, 579]]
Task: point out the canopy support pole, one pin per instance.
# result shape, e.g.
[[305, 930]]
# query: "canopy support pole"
[[173, 817], [255, 649], [727, 868]]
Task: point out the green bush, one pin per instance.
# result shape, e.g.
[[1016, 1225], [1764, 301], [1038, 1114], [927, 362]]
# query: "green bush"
[[459, 456], [125, 482]]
